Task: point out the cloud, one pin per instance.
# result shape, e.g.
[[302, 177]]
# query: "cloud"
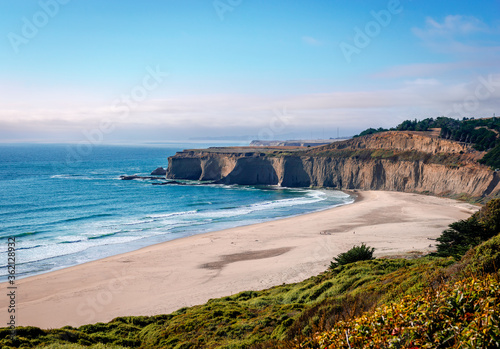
[[420, 70], [423, 82], [311, 41], [188, 116], [459, 35], [420, 93], [451, 26]]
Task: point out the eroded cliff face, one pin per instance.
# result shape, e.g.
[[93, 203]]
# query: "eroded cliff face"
[[301, 169], [400, 140]]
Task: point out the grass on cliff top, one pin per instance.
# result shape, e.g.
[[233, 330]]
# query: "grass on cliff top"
[[366, 298]]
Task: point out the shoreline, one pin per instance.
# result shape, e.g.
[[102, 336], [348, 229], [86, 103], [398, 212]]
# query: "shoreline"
[[162, 278], [350, 193]]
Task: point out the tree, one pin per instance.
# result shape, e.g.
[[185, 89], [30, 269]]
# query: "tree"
[[356, 253], [464, 234]]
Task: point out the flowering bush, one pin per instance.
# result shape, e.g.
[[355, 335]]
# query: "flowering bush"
[[461, 315]]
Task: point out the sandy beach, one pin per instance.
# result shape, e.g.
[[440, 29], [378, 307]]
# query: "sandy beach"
[[165, 277]]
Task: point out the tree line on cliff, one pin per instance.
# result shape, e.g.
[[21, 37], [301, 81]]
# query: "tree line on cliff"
[[482, 134]]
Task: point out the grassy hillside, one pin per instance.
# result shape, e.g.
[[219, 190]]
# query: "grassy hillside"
[[282, 312], [463, 312], [429, 302]]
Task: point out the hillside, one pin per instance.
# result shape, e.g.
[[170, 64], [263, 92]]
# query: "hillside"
[[430, 302], [406, 161]]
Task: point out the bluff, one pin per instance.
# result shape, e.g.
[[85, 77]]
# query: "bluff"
[[396, 161]]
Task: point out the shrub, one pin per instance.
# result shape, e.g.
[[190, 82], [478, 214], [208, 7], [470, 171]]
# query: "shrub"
[[356, 253], [471, 232]]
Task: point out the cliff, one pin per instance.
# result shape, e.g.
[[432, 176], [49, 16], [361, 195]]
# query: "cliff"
[[294, 143], [397, 161]]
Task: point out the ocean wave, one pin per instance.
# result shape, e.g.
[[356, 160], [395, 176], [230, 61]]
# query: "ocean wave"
[[28, 248], [86, 234], [82, 218], [81, 177], [68, 176], [70, 242], [55, 208], [103, 236], [148, 219], [28, 233]]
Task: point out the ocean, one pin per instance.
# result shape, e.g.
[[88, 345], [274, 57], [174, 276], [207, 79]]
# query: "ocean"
[[66, 205]]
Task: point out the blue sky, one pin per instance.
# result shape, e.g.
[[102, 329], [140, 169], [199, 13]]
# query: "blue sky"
[[133, 71]]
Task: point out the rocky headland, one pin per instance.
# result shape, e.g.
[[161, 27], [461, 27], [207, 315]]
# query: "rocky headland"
[[397, 161]]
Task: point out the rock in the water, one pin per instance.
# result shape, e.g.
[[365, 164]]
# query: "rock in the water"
[[160, 171], [128, 178], [170, 182]]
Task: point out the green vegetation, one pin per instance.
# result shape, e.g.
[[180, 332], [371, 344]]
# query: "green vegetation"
[[465, 234], [429, 302], [464, 314], [248, 318], [371, 131], [355, 254], [483, 134], [492, 158]]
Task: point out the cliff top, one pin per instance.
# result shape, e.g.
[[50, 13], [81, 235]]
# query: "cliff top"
[[403, 140], [244, 150], [425, 142]]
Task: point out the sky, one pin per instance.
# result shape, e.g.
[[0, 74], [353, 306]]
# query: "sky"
[[159, 71]]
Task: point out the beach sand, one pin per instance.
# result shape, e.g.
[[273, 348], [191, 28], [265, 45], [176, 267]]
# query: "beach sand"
[[163, 278]]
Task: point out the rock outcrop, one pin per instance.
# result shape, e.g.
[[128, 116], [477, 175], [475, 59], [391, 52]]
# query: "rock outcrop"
[[159, 171], [131, 177], [410, 162]]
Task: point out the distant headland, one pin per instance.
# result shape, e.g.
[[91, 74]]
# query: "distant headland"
[[455, 160]]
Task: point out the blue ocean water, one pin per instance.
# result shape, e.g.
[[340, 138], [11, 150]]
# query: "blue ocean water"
[[67, 206]]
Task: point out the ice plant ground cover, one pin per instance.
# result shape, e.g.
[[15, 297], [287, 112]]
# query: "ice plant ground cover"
[[460, 315]]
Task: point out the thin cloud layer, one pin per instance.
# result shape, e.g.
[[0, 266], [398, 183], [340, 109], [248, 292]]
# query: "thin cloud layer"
[[264, 64], [451, 26], [422, 97]]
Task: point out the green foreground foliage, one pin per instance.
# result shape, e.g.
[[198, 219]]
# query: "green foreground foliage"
[[431, 302], [465, 234], [464, 314], [278, 314], [355, 254]]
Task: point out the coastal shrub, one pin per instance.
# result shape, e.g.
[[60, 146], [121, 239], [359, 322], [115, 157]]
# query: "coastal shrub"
[[465, 234], [492, 158], [464, 314], [485, 258], [355, 254], [80, 346]]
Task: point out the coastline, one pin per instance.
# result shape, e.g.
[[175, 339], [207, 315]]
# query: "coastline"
[[162, 278]]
